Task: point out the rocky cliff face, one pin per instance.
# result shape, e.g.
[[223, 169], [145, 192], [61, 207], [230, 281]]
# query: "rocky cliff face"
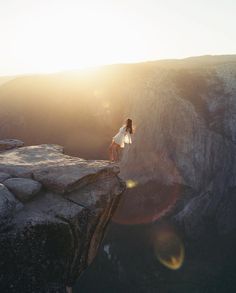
[[54, 212], [186, 129]]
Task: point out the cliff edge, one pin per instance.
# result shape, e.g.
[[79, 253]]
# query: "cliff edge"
[[54, 212]]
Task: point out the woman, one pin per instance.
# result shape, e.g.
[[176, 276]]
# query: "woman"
[[119, 140]]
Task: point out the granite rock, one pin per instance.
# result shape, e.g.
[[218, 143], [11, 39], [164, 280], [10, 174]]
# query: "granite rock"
[[51, 240]]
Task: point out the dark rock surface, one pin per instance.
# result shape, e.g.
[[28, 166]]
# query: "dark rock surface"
[[9, 205], [48, 239]]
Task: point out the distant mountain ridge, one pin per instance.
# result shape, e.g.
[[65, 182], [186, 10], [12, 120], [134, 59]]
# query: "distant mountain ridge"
[[60, 108]]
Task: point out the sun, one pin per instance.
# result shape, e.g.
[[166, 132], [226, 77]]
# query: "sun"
[[65, 37]]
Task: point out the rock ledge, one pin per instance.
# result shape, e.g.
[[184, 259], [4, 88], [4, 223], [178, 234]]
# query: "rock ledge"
[[54, 212]]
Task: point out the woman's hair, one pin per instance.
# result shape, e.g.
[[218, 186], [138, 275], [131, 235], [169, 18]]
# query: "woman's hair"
[[129, 126]]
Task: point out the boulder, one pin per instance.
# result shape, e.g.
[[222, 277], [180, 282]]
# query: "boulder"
[[4, 176], [9, 205], [23, 188]]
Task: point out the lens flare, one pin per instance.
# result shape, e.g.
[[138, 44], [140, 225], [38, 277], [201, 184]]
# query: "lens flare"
[[131, 183], [145, 203], [169, 249], [148, 201]]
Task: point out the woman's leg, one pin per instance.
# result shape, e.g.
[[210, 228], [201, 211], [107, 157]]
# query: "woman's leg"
[[111, 157], [117, 148], [111, 151], [119, 152], [114, 151]]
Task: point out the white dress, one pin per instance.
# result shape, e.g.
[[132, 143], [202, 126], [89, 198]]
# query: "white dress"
[[122, 137]]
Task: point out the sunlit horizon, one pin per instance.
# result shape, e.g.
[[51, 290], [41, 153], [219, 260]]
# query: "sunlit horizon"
[[50, 36], [95, 67]]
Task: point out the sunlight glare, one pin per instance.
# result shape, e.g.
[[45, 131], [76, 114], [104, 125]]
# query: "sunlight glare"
[[48, 36]]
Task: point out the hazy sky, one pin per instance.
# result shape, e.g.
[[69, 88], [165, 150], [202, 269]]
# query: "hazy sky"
[[52, 35]]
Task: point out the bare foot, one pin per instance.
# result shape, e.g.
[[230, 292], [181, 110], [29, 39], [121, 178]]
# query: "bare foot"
[[68, 289]]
